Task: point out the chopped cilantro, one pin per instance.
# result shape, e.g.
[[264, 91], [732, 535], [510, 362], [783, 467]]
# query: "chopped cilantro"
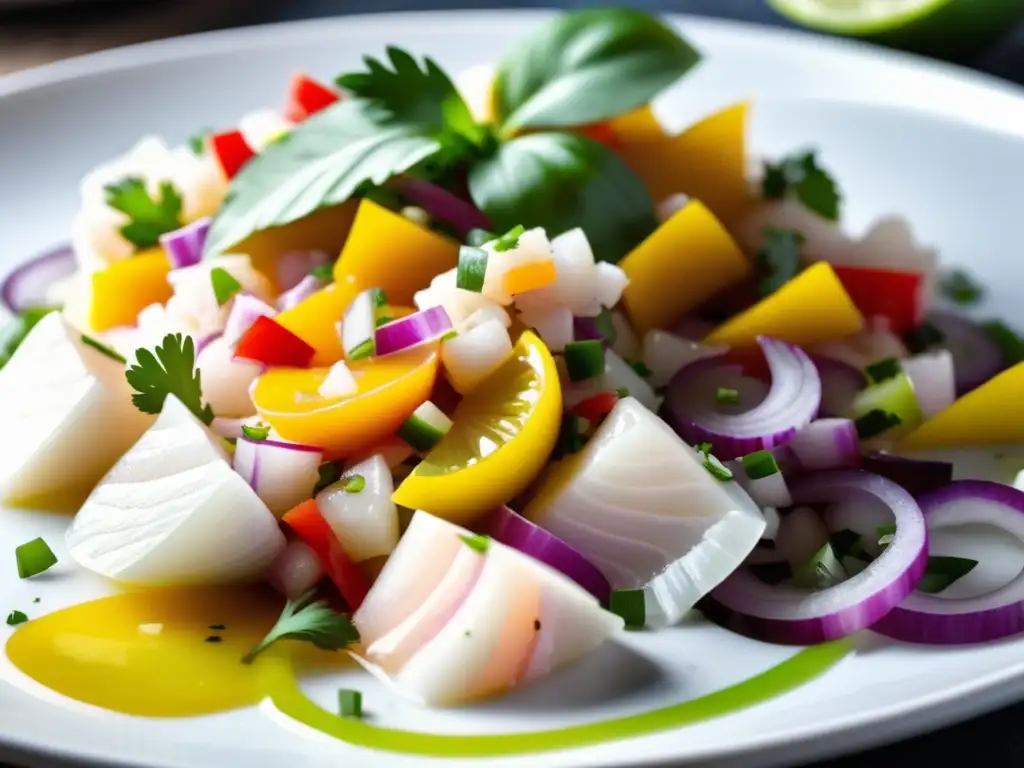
[[149, 217], [314, 622], [941, 572], [959, 287], [477, 542], [875, 422], [883, 369], [354, 483], [330, 473], [778, 261], [324, 272], [197, 141], [801, 175], [641, 368], [14, 618], [1010, 344], [170, 372]]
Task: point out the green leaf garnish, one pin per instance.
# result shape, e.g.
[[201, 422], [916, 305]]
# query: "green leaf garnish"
[[726, 396], [477, 542], [799, 174], [197, 141], [354, 483], [14, 618], [1010, 344], [883, 369], [587, 66], [99, 346], [312, 622], [778, 261], [171, 371], [821, 571], [149, 217], [606, 326], [256, 431], [924, 337], [886, 533], [510, 239], [570, 437], [959, 287], [16, 329], [641, 368], [324, 272], [941, 572], [847, 543], [224, 285], [560, 181], [621, 392], [330, 473]]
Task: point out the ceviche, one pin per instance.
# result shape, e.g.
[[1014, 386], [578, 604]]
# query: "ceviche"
[[476, 373]]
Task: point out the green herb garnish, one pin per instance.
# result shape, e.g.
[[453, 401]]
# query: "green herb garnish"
[[197, 141], [509, 240], [715, 468], [171, 371], [149, 217], [941, 572], [259, 431], [570, 436], [1010, 344], [821, 571], [14, 618], [886, 533], [324, 272], [472, 269], [726, 396], [102, 348], [621, 392], [224, 285], [778, 261], [924, 337], [477, 237], [354, 484], [959, 287], [380, 298], [330, 473], [883, 370], [799, 174], [630, 605], [477, 542], [875, 422], [350, 703], [34, 557], [641, 368], [847, 543], [759, 464], [313, 622]]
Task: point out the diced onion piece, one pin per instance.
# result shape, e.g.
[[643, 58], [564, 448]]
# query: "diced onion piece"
[[358, 327], [932, 378], [473, 355], [826, 444], [339, 382], [554, 326], [611, 282], [184, 247], [411, 331], [666, 354], [575, 285], [472, 269], [425, 427], [584, 360], [244, 311], [295, 571], [772, 522], [365, 521], [282, 474], [489, 312]]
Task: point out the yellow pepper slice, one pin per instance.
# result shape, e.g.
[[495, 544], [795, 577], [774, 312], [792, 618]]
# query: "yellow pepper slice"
[[386, 250], [682, 264], [811, 308], [126, 287], [315, 319], [988, 415]]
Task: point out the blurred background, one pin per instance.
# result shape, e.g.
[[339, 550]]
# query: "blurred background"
[[986, 35]]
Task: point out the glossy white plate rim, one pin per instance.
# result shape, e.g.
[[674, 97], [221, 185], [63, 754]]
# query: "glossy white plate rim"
[[853, 74]]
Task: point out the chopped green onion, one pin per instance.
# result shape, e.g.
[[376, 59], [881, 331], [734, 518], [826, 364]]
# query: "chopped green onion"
[[509, 240], [886, 533], [759, 464], [99, 346], [715, 468], [958, 286], [875, 423], [33, 558], [382, 320], [256, 432], [224, 285], [361, 351], [622, 392], [350, 703], [641, 368], [882, 370], [847, 543], [1004, 337], [704, 447], [584, 359], [425, 428], [450, 335], [630, 605], [330, 473], [416, 215], [821, 571], [605, 325], [477, 237], [477, 542], [472, 269], [354, 483], [941, 572], [324, 272], [726, 396], [570, 436], [379, 298], [14, 618], [924, 337]]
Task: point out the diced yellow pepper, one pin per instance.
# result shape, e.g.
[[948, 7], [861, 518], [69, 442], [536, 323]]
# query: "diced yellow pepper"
[[315, 319], [386, 250], [811, 308], [707, 161], [529, 277], [988, 415], [682, 264], [126, 287]]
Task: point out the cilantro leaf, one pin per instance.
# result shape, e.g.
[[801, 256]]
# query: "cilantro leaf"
[[197, 141], [587, 66], [313, 622], [800, 174], [778, 261], [960, 288], [560, 181], [170, 372], [149, 217]]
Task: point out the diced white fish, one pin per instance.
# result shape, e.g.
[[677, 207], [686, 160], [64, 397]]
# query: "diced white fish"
[[68, 412], [173, 512], [639, 503], [226, 380], [365, 523], [194, 304]]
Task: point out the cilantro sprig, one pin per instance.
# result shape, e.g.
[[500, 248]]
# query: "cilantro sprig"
[[171, 371], [800, 175], [778, 260], [149, 216], [311, 621]]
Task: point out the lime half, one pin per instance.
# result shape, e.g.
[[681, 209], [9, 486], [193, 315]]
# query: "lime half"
[[945, 28]]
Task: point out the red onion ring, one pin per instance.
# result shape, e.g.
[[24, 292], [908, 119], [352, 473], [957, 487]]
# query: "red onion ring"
[[827, 444], [976, 358], [783, 614], [923, 618], [26, 286], [791, 403], [514, 530], [442, 204], [184, 246], [305, 288], [411, 330], [840, 383]]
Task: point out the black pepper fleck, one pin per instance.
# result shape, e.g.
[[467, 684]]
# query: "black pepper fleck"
[[536, 625], [214, 639], [217, 627]]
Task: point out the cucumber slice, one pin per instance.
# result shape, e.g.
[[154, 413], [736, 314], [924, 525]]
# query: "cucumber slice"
[[425, 428]]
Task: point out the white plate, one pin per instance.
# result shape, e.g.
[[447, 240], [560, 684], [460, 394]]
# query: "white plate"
[[941, 145]]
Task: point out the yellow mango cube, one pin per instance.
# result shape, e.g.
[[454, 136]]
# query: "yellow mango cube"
[[315, 319], [119, 292]]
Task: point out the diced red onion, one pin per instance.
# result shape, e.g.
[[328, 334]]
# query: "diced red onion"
[[916, 476], [184, 247], [840, 383], [412, 330], [585, 329], [932, 377], [305, 288], [924, 618], [282, 474], [976, 357], [295, 571], [244, 311], [295, 265], [443, 205], [827, 444], [204, 341], [791, 403], [788, 615], [27, 286], [516, 531]]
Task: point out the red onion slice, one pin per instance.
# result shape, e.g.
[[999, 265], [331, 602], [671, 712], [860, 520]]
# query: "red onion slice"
[[516, 531], [840, 383], [791, 403], [27, 286], [827, 444], [924, 618], [184, 247], [411, 330], [282, 474], [976, 357], [784, 614], [442, 204], [305, 288]]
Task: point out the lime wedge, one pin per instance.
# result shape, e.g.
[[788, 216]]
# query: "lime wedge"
[[945, 28]]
